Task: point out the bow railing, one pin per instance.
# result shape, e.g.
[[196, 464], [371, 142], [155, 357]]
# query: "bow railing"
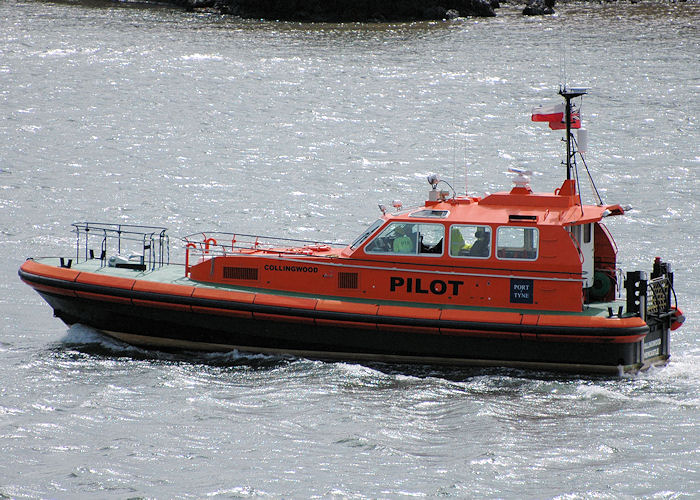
[[122, 245]]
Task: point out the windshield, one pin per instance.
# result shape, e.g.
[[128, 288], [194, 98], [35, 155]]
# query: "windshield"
[[408, 238], [368, 232]]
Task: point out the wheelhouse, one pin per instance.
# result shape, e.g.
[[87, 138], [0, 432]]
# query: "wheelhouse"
[[547, 244]]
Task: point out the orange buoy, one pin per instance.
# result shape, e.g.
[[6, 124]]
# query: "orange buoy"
[[678, 318]]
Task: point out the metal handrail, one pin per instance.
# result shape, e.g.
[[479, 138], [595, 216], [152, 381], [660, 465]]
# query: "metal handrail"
[[220, 243], [152, 241], [256, 241]]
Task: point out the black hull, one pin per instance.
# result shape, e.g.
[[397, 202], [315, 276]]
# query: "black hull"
[[184, 329]]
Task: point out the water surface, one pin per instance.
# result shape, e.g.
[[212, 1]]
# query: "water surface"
[[195, 121]]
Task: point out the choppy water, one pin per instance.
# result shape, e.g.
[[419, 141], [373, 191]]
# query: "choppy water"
[[196, 121]]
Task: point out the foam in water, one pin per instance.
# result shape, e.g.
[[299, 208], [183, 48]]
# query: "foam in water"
[[79, 334], [202, 57]]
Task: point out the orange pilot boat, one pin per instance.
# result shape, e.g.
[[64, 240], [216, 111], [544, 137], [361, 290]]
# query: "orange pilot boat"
[[517, 279]]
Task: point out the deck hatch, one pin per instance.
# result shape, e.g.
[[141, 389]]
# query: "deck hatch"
[[347, 280], [430, 214], [240, 273]]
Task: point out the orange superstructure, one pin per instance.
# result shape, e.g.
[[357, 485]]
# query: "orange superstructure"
[[535, 253]]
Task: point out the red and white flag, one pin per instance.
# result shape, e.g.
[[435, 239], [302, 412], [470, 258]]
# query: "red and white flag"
[[553, 113], [561, 124]]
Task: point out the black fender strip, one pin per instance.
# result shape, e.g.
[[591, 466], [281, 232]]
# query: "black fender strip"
[[633, 332]]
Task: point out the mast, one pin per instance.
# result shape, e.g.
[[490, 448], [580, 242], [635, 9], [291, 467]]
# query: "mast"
[[569, 94]]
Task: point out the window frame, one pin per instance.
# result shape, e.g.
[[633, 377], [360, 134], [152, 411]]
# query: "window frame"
[[475, 226], [522, 259], [367, 233], [416, 252]]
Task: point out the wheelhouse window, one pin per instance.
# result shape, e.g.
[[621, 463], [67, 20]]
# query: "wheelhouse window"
[[470, 241], [517, 243], [582, 233], [368, 232], [402, 238], [587, 233]]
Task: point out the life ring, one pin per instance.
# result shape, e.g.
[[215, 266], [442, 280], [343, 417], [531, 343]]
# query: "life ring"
[[318, 248], [297, 251], [678, 318]]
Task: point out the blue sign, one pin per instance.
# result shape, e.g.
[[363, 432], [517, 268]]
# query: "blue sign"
[[521, 291]]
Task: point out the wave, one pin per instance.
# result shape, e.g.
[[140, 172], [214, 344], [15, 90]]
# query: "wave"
[[88, 340], [202, 57]]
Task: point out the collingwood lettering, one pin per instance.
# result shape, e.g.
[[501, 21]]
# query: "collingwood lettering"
[[292, 269]]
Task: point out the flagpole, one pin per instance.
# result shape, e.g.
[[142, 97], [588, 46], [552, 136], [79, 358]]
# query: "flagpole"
[[569, 94]]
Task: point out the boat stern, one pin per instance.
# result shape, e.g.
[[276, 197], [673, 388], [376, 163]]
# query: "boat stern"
[[653, 298]]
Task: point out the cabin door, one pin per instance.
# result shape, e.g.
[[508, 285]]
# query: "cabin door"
[[583, 235]]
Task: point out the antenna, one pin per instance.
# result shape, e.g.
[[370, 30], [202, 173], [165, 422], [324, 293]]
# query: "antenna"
[[562, 69], [466, 172], [565, 57], [454, 153]]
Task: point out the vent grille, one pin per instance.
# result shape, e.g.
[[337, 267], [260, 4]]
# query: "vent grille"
[[522, 218], [240, 273], [347, 280]]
